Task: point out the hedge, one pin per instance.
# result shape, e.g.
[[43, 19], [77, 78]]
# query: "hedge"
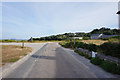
[[106, 65], [109, 48]]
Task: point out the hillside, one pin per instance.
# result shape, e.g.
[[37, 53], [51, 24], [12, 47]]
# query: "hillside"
[[106, 31]]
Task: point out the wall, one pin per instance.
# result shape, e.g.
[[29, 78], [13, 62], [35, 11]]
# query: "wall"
[[101, 56]]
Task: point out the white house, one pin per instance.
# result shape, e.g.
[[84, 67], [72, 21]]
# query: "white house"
[[95, 36]]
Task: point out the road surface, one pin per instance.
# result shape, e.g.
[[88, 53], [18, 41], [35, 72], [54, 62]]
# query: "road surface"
[[53, 61]]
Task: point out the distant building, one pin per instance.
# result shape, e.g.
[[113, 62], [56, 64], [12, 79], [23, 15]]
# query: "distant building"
[[31, 39], [77, 38], [95, 36], [99, 36]]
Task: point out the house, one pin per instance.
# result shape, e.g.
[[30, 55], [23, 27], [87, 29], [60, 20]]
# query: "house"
[[96, 36], [77, 38], [100, 36]]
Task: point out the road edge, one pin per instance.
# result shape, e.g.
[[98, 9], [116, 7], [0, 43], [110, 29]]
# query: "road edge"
[[16, 64]]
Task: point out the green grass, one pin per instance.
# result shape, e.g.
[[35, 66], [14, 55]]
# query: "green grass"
[[25, 54], [14, 59]]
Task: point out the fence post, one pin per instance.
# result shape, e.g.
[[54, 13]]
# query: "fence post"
[[22, 44], [94, 54]]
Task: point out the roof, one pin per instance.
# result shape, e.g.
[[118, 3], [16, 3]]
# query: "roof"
[[95, 34], [118, 12], [104, 36]]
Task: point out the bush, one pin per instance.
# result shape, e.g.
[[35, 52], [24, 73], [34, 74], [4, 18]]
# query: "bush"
[[68, 45], [7, 40], [86, 38], [23, 41], [96, 61], [92, 47], [82, 54], [111, 49], [110, 67]]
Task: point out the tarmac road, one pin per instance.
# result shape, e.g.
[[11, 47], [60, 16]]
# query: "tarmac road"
[[53, 61]]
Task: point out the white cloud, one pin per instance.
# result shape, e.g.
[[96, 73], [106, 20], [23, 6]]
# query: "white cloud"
[[42, 19]]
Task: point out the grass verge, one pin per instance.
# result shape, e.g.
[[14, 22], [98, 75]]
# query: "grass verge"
[[12, 53]]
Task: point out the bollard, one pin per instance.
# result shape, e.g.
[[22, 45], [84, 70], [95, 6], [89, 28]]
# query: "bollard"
[[22, 44]]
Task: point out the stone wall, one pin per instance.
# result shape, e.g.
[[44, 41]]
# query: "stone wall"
[[101, 56]]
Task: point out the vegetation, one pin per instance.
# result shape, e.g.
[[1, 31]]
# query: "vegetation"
[[106, 31], [13, 59], [113, 39], [110, 67], [82, 54], [7, 40], [67, 36], [110, 48], [12, 53], [35, 41], [90, 47], [96, 61], [96, 42], [106, 65], [86, 36]]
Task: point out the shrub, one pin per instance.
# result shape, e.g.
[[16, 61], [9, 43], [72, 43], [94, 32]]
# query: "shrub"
[[96, 61], [68, 45], [23, 41], [86, 38], [106, 65], [92, 47], [82, 54], [110, 48], [110, 67], [7, 40]]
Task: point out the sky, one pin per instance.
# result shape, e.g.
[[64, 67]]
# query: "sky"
[[22, 20]]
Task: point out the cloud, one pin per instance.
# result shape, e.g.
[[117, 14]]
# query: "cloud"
[[43, 19]]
